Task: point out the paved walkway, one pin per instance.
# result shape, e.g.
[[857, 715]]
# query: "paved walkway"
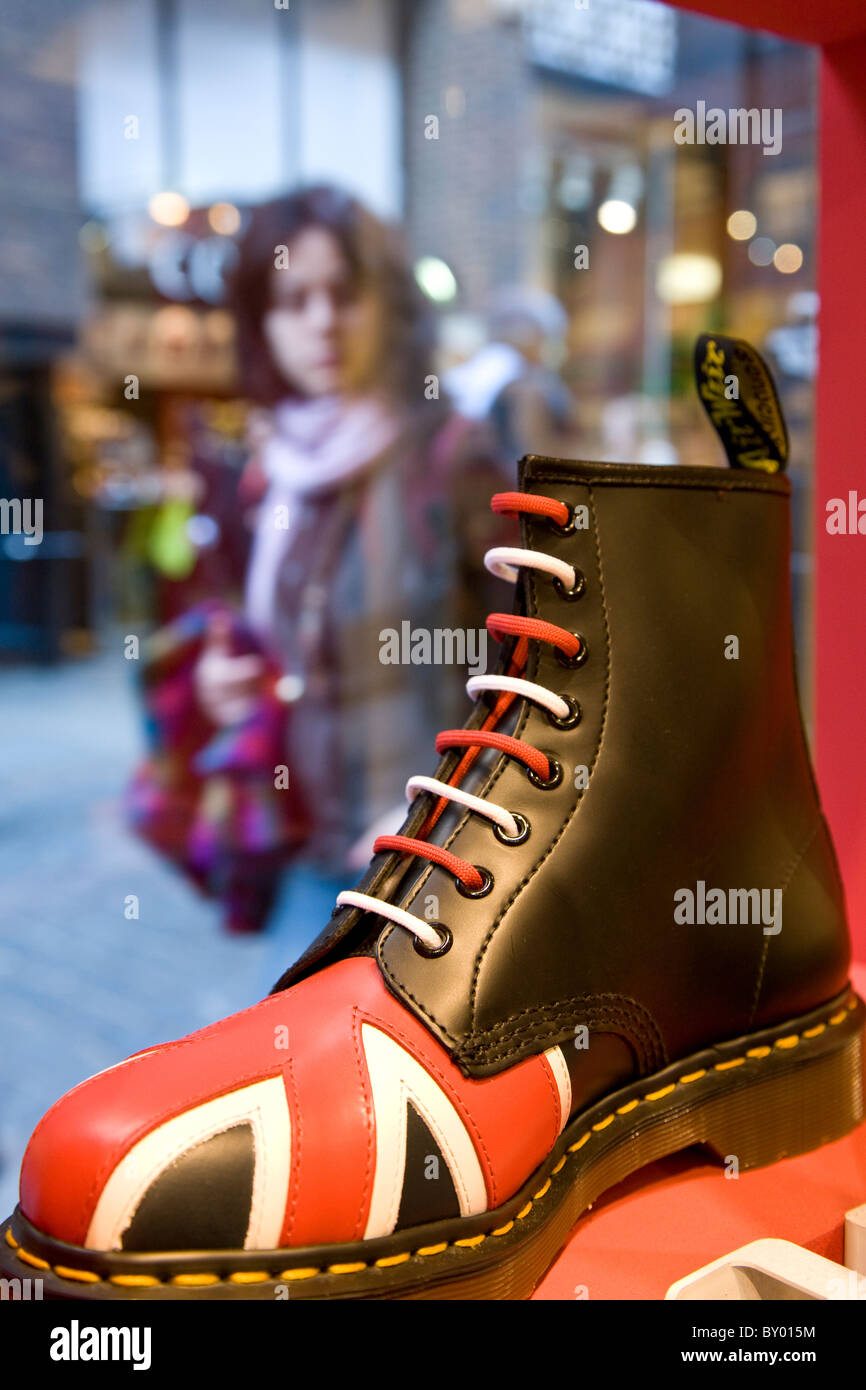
[[80, 986]]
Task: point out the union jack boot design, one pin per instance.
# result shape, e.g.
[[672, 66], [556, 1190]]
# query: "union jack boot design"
[[610, 927]]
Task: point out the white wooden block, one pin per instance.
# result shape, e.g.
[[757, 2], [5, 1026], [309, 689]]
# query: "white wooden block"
[[771, 1269], [855, 1239]]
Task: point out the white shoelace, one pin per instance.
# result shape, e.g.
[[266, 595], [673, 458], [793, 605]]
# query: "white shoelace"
[[504, 561]]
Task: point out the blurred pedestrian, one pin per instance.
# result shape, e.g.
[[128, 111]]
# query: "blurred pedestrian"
[[513, 381], [373, 511]]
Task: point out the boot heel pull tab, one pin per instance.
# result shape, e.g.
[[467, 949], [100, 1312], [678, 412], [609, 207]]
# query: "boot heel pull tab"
[[739, 395]]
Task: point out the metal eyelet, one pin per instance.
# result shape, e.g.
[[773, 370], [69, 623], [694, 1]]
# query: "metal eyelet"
[[486, 885], [552, 781], [571, 662], [567, 721], [577, 589], [522, 831], [431, 952], [565, 530]]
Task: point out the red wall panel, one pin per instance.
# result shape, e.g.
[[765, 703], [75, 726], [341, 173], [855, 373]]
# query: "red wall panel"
[[810, 22], [841, 421]]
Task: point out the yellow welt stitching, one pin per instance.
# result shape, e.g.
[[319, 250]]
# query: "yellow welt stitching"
[[29, 1259], [257, 1276], [81, 1276], [657, 1095]]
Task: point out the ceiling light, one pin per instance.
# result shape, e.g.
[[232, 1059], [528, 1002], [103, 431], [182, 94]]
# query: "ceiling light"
[[617, 216], [742, 225], [168, 209], [436, 279], [224, 218], [788, 258], [686, 278]]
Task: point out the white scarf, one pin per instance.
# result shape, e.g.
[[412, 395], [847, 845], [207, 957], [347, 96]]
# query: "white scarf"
[[316, 446]]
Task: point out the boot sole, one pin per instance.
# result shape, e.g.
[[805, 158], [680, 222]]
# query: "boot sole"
[[770, 1095]]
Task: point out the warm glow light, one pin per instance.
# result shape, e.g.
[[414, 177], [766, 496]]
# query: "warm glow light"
[[742, 225], [436, 279], [617, 216], [762, 251], [224, 218], [168, 209], [688, 279], [788, 258]]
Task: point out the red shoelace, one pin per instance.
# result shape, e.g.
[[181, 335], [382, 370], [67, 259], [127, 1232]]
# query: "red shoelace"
[[499, 625]]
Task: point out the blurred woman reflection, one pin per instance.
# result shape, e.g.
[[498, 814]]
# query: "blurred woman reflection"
[[373, 512]]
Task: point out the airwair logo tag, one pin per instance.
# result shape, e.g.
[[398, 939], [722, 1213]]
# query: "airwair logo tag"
[[738, 394]]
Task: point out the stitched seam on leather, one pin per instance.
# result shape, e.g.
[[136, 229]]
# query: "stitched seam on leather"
[[787, 877], [394, 1031], [142, 1058], [736, 483], [422, 1009], [554, 1098], [163, 1161], [296, 1141], [483, 790], [573, 812], [600, 1004], [467, 1049], [505, 1056], [90, 1081], [32, 1261], [539, 1028], [363, 1080], [634, 1023], [147, 1127], [495, 773]]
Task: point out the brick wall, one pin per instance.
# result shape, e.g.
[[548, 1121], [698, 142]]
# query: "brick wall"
[[463, 191], [40, 264]]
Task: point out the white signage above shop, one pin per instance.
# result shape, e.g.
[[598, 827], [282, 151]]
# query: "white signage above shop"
[[622, 43]]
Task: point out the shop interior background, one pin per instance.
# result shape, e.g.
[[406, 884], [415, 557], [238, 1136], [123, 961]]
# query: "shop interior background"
[[136, 136]]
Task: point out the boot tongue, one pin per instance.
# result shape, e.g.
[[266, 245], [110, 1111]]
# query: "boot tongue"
[[739, 395]]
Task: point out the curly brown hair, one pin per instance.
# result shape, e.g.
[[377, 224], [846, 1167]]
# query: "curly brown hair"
[[374, 254]]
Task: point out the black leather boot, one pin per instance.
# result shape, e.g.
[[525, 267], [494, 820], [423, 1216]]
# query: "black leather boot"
[[611, 927]]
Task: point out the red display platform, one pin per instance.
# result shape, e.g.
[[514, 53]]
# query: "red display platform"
[[679, 1214]]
